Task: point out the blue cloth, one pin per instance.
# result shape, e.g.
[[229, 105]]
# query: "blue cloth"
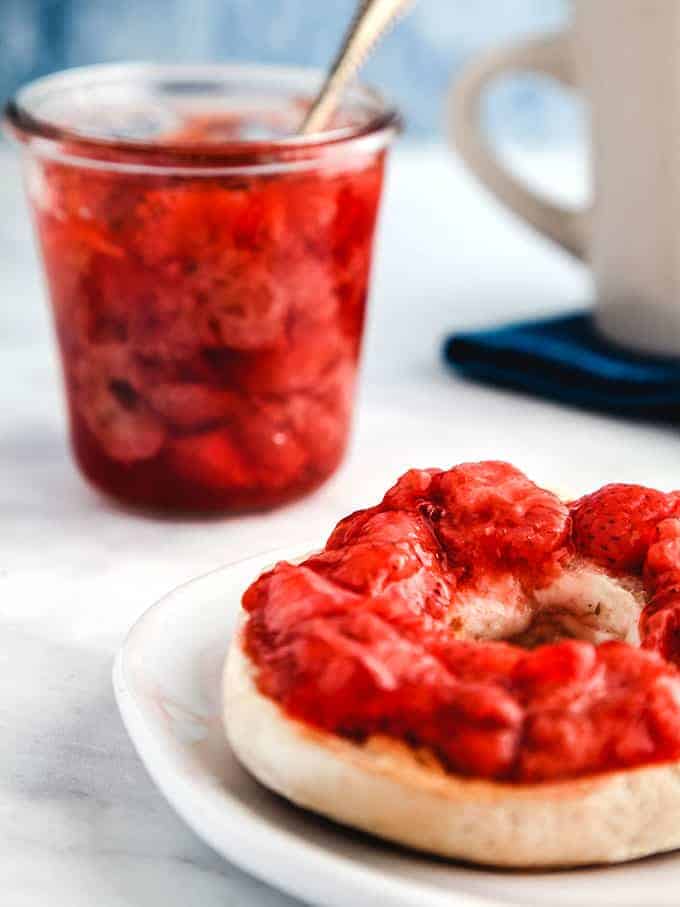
[[565, 359]]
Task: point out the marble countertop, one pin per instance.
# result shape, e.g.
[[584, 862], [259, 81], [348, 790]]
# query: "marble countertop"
[[80, 821]]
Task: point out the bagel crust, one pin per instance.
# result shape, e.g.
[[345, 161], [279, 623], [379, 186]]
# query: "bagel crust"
[[387, 789]]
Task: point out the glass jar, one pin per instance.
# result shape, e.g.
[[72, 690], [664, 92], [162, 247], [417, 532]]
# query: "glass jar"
[[208, 272]]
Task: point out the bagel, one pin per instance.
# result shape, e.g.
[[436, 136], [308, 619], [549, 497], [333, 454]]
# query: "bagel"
[[475, 669]]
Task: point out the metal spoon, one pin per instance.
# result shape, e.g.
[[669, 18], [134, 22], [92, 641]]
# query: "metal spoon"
[[371, 20]]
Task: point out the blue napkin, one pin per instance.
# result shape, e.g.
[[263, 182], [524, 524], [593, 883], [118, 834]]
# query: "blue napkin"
[[566, 359]]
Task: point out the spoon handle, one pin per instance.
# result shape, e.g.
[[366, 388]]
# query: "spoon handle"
[[370, 22]]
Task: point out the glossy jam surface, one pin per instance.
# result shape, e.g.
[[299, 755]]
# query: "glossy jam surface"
[[370, 636], [209, 325]]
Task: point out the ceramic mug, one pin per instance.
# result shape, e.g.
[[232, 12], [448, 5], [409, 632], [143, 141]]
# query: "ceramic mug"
[[623, 56]]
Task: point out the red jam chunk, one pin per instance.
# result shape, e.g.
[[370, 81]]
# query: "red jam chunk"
[[210, 325], [365, 637]]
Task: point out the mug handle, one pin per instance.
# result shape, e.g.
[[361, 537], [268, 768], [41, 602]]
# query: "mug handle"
[[549, 56]]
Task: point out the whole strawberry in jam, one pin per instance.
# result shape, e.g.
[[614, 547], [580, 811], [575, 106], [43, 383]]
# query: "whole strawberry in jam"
[[616, 525]]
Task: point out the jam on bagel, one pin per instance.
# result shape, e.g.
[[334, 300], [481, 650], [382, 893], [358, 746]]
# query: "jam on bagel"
[[478, 618]]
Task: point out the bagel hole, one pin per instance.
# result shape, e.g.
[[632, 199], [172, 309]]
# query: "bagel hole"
[[585, 603], [546, 629]]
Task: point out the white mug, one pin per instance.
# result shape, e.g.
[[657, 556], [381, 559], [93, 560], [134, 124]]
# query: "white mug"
[[624, 56]]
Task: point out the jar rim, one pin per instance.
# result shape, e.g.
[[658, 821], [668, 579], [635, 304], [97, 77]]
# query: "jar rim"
[[382, 121]]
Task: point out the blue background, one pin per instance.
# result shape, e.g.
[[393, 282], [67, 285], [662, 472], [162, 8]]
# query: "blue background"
[[413, 65]]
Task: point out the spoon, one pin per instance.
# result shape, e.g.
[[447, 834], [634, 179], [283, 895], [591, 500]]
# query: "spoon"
[[371, 20]]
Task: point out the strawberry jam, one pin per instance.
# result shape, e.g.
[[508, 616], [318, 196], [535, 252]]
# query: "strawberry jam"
[[380, 633], [209, 294]]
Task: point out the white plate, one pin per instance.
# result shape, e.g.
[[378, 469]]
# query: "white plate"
[[166, 679]]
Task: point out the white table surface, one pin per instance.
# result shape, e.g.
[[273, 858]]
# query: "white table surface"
[[80, 821]]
